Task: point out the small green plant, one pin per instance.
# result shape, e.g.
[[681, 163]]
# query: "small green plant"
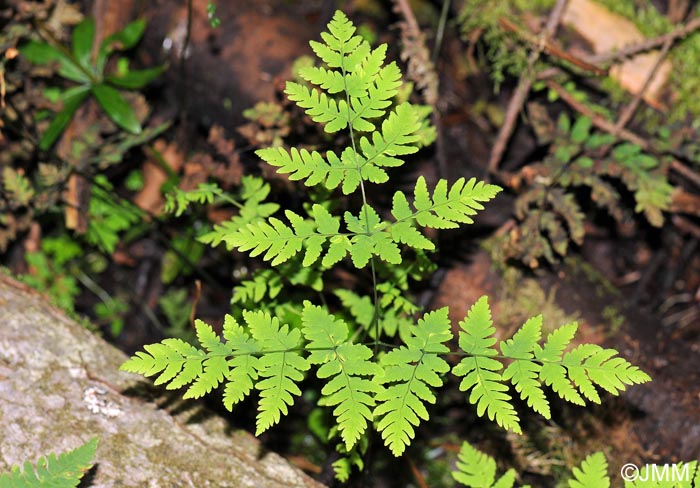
[[77, 65], [62, 471], [548, 213], [50, 270], [378, 360], [478, 470]]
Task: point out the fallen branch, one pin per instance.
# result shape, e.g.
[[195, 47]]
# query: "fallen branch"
[[521, 91]]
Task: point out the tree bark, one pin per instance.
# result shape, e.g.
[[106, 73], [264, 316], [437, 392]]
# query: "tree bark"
[[60, 386]]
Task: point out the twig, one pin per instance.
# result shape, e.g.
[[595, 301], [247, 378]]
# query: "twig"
[[683, 170], [596, 119], [441, 30], [521, 91], [627, 113], [551, 48], [646, 45]]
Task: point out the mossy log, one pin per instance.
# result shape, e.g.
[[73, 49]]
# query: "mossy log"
[[60, 386]]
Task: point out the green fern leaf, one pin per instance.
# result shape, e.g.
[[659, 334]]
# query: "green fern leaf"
[[253, 192], [396, 138], [280, 367], [523, 372], [62, 471], [593, 473], [360, 307], [371, 238], [590, 364], [412, 370], [347, 363], [179, 362], [266, 283], [478, 470], [273, 237], [356, 74], [214, 367], [553, 373], [243, 366], [481, 371], [178, 200], [444, 210]]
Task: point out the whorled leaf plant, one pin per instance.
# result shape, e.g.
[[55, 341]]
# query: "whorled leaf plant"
[[386, 386]]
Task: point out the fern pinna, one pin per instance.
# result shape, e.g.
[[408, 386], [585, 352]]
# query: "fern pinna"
[[385, 386]]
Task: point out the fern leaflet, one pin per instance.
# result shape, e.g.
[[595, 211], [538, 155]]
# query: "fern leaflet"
[[523, 372], [412, 369], [592, 473], [444, 210], [397, 137], [243, 366], [478, 470], [481, 372], [346, 363], [62, 471], [280, 367]]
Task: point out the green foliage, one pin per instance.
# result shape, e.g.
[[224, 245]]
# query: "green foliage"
[[386, 386], [476, 469], [109, 218], [62, 471], [593, 472], [349, 364], [77, 65], [550, 216], [50, 270], [411, 371], [214, 21]]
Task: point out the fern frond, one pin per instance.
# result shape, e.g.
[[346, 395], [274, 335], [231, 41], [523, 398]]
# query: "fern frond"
[[481, 372], [396, 138], [253, 193], [280, 367], [370, 239], [412, 370], [273, 237], [62, 471], [553, 373], [444, 210], [178, 362], [354, 72], [478, 470], [243, 366], [177, 201], [346, 363], [265, 283], [592, 473], [215, 367], [523, 372], [590, 364]]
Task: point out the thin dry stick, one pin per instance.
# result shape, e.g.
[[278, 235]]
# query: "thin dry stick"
[[627, 113], [682, 169], [596, 119], [646, 45], [521, 91]]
